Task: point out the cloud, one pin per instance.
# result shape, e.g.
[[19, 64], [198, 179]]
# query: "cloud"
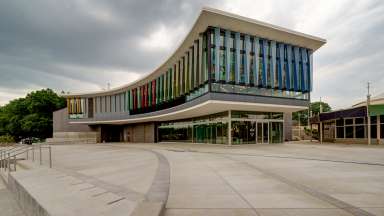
[[81, 45]]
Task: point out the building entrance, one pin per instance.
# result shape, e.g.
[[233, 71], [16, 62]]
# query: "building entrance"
[[244, 128], [253, 132]]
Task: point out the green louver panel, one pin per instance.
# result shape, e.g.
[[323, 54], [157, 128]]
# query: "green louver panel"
[[149, 94], [156, 90], [187, 73], [171, 84], [166, 77], [127, 101], [138, 97], [161, 90], [130, 100], [375, 110]]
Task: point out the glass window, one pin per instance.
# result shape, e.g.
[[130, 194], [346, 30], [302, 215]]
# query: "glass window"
[[242, 63], [373, 120], [373, 131], [242, 43], [232, 42], [233, 59], [348, 121], [260, 70], [360, 131], [269, 81], [222, 64], [359, 120], [348, 131], [340, 132], [340, 122], [213, 57], [222, 40], [251, 71]]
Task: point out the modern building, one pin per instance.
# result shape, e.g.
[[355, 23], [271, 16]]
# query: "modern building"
[[354, 124], [233, 80]]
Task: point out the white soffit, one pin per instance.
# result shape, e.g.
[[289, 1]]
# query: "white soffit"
[[206, 108]]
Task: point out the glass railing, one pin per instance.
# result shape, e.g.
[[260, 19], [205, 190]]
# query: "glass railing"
[[252, 90]]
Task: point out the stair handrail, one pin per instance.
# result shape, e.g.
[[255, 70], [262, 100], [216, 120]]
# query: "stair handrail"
[[8, 156], [9, 149]]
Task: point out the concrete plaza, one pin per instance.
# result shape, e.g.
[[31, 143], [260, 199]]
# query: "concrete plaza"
[[193, 179]]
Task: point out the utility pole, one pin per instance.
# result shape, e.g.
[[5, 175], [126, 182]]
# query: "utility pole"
[[368, 116], [321, 123]]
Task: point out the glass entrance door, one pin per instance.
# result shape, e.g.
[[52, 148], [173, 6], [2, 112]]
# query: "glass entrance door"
[[265, 132], [262, 132]]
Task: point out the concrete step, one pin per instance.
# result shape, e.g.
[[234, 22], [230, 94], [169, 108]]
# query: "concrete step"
[[44, 191]]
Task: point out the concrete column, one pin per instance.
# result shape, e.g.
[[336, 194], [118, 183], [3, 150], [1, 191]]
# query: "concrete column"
[[193, 131], [378, 129], [335, 135], [321, 132], [287, 116], [229, 128]]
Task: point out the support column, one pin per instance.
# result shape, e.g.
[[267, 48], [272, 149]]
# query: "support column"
[[321, 132], [193, 131], [378, 129], [287, 116], [335, 135], [229, 128]]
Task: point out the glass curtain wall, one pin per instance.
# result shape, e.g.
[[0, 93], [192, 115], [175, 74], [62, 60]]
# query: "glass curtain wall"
[[247, 128], [221, 60], [207, 129]]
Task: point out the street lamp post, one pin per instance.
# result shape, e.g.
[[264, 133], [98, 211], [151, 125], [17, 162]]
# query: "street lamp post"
[[368, 116]]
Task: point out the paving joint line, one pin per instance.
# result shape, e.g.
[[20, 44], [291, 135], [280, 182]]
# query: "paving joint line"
[[99, 194], [289, 157], [319, 195], [232, 188], [84, 189], [115, 201]]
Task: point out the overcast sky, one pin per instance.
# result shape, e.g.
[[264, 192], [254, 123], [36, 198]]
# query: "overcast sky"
[[81, 45]]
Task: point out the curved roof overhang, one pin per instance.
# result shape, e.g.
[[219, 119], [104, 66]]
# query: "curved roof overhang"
[[213, 17], [205, 108]]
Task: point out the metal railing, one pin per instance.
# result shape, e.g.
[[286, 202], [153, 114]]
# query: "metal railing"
[[9, 156]]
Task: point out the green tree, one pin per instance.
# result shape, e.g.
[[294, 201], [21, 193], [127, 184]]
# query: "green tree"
[[314, 107], [30, 116]]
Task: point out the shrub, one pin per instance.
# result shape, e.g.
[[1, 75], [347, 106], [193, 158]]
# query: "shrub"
[[6, 139]]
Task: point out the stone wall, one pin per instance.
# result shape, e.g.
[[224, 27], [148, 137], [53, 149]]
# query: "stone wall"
[[140, 133], [64, 132]]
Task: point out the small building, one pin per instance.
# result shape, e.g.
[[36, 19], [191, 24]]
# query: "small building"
[[351, 125]]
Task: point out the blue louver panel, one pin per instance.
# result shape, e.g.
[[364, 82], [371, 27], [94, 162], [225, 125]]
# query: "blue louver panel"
[[256, 48], [246, 59], [305, 73], [296, 68], [310, 53], [302, 77], [288, 76], [264, 71], [272, 71], [227, 56], [280, 53], [217, 54], [290, 71], [237, 62]]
